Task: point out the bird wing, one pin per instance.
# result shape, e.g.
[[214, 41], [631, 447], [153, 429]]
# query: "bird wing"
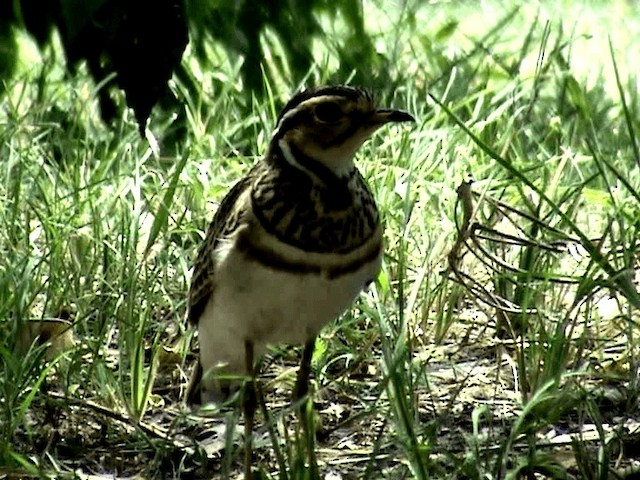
[[224, 222]]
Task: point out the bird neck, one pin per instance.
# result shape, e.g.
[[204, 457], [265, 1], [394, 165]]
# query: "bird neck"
[[319, 172]]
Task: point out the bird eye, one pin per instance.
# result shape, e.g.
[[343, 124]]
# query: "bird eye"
[[329, 112]]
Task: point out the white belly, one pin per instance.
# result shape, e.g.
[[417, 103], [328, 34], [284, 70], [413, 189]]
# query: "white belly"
[[266, 306]]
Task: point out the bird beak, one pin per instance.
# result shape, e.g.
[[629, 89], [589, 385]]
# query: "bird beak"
[[381, 117]]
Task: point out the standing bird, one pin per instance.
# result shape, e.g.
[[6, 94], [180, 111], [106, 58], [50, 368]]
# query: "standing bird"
[[291, 245]]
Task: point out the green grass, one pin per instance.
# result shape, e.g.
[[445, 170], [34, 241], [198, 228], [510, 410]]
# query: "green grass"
[[499, 341]]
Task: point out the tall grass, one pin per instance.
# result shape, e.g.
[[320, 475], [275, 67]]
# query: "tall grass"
[[499, 341]]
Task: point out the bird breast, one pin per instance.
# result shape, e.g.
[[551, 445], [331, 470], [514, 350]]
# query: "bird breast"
[[287, 302]]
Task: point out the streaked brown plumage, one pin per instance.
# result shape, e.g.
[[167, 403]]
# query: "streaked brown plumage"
[[292, 244]]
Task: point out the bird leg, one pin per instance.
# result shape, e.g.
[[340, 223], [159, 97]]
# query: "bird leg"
[[305, 414], [302, 380], [249, 403], [193, 396]]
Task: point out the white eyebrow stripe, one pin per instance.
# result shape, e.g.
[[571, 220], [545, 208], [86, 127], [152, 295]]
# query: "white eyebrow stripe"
[[304, 106]]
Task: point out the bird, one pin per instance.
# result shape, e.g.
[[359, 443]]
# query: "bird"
[[290, 247]]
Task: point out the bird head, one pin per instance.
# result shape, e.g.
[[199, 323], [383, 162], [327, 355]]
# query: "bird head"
[[327, 125]]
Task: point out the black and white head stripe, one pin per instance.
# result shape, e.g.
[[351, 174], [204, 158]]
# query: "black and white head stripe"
[[289, 112], [352, 93]]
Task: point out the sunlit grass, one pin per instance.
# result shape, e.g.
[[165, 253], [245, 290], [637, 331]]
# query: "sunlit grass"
[[450, 366]]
